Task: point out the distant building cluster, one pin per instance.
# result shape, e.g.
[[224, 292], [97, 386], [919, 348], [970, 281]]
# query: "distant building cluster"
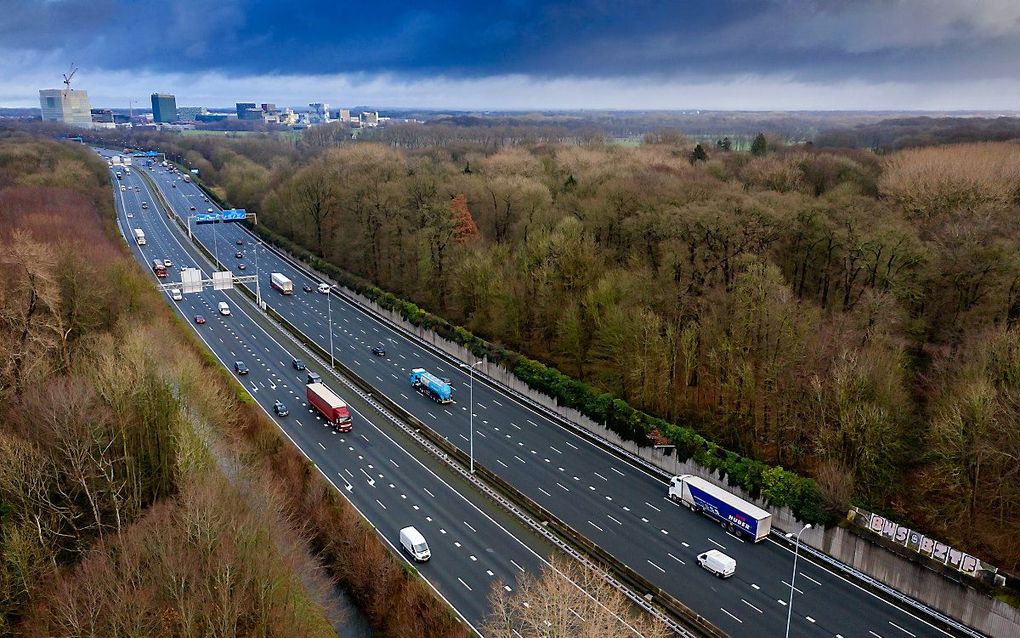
[[71, 106]]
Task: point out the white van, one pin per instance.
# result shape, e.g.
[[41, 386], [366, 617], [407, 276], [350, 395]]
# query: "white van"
[[718, 563], [223, 308], [176, 295], [414, 544]]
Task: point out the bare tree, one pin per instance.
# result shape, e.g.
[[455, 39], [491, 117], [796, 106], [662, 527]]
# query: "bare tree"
[[567, 600], [29, 308]]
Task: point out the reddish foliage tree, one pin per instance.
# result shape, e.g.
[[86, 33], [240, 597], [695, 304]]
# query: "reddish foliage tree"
[[465, 229]]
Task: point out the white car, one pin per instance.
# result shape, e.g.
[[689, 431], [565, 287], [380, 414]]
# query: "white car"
[[324, 289], [168, 263], [131, 215], [176, 295]]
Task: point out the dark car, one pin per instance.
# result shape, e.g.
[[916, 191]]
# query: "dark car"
[[240, 242], [199, 319], [280, 409], [379, 350], [173, 185], [241, 267], [298, 364], [192, 208], [239, 255], [307, 288], [313, 377], [240, 368]]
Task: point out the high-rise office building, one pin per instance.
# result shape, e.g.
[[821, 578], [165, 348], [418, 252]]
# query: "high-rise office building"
[[164, 108], [344, 115], [66, 105]]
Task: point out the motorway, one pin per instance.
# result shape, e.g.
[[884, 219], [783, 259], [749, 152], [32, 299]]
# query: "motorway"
[[473, 543], [611, 502]]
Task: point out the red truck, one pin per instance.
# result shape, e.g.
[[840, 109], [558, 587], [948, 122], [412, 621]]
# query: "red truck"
[[330, 406]]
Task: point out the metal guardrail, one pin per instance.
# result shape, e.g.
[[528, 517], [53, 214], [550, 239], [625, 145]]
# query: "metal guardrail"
[[881, 588]]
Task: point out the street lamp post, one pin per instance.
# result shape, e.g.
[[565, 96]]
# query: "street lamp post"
[[793, 579], [258, 289], [471, 409], [216, 249], [329, 313]]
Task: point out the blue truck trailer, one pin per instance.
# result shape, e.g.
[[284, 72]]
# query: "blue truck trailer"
[[734, 513], [431, 386]]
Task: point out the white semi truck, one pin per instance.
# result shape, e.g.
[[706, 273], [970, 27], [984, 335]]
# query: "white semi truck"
[[281, 283], [733, 513]]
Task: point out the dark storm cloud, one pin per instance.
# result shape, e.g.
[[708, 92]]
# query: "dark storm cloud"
[[871, 40]]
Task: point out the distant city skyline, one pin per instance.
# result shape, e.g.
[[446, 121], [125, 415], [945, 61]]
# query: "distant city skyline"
[[651, 54]]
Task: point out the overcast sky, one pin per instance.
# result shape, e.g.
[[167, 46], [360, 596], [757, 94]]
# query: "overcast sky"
[[627, 54]]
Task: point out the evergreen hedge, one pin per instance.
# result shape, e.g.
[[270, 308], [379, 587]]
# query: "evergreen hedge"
[[779, 487]]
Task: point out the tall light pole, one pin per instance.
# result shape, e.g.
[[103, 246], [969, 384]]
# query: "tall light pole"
[[471, 409], [329, 314], [258, 289], [216, 250], [793, 579]]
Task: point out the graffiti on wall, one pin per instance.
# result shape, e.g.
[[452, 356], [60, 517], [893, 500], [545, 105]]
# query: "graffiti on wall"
[[924, 545]]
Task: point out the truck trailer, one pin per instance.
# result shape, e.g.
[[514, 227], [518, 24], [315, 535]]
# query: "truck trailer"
[[330, 406], [139, 237], [431, 386], [734, 513], [281, 283]]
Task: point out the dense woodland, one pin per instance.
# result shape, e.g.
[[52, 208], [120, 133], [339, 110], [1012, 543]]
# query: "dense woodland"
[[845, 315], [905, 132]]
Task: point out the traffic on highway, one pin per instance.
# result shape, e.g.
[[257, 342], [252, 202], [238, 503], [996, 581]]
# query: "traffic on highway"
[[473, 544], [613, 503]]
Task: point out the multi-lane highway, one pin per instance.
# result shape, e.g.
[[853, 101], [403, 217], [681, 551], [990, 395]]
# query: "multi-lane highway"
[[611, 502], [473, 543]]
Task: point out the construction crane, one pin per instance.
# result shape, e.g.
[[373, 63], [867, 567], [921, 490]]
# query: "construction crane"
[[68, 76]]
